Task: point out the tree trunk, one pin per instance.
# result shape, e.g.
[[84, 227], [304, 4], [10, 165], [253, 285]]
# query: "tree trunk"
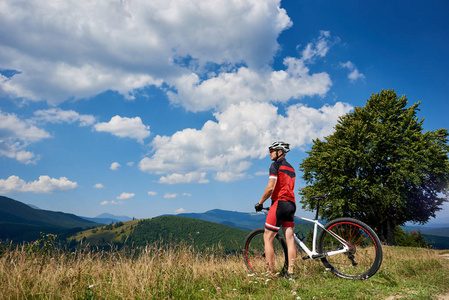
[[386, 232], [390, 233]]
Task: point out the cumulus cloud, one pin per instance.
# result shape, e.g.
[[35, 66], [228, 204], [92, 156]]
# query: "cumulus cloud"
[[245, 84], [318, 48], [354, 73], [170, 195], [112, 202], [114, 166], [98, 186], [124, 196], [198, 177], [125, 127], [240, 133], [151, 193], [180, 210], [205, 55], [79, 48], [57, 115], [45, 185], [16, 135]]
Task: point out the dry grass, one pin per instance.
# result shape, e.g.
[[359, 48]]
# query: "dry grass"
[[180, 272]]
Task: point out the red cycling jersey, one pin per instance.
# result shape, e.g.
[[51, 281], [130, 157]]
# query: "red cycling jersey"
[[283, 206], [285, 184]]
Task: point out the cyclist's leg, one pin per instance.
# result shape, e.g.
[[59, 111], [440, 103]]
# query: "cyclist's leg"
[[291, 246], [288, 226], [272, 226], [268, 238]]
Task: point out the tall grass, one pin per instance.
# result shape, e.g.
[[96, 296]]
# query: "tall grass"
[[180, 272]]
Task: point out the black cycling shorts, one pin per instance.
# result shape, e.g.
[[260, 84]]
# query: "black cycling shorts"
[[281, 213]]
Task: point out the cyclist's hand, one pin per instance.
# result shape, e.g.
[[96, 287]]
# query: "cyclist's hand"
[[258, 206]]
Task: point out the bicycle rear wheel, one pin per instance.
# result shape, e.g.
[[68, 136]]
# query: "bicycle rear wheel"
[[365, 250], [254, 253]]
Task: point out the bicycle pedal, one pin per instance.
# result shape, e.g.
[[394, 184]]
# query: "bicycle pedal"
[[305, 257]]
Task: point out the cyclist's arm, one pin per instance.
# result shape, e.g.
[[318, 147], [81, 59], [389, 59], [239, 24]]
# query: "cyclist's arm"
[[268, 190]]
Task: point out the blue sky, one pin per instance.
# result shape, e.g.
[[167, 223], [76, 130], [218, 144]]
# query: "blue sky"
[[143, 108]]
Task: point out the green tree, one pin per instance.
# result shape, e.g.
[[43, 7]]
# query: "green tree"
[[379, 166], [412, 239]]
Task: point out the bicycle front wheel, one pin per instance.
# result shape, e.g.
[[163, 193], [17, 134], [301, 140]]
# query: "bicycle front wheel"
[[254, 253], [364, 257]]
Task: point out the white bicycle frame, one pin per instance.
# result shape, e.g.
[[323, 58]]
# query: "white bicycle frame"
[[313, 254]]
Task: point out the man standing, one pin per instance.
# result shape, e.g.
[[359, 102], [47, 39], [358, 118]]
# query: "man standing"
[[280, 188]]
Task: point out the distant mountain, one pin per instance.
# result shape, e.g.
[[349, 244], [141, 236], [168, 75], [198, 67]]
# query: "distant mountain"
[[437, 242], [108, 219], [33, 206], [246, 221], [20, 222], [430, 230], [119, 218]]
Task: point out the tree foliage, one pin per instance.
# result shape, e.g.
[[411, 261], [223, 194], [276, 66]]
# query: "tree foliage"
[[412, 239], [379, 166]]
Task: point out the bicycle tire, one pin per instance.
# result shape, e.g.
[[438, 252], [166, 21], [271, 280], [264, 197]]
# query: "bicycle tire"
[[254, 253], [365, 255]]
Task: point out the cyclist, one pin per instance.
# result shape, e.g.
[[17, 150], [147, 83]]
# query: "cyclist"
[[280, 188]]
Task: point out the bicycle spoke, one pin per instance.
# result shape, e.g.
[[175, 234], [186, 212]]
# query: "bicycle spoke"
[[254, 253], [364, 256]]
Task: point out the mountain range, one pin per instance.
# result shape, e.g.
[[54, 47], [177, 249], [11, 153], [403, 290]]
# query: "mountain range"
[[21, 222], [246, 221], [108, 219]]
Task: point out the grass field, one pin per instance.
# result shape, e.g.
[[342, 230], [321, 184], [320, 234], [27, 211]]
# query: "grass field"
[[180, 272]]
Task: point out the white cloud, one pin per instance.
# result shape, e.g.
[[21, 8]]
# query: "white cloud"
[[184, 178], [170, 195], [318, 48], [206, 55], [57, 115], [98, 186], [241, 133], [151, 193], [45, 185], [245, 84], [229, 176], [180, 210], [124, 196], [16, 135], [113, 202], [125, 127], [187, 194], [78, 48], [114, 166], [354, 73]]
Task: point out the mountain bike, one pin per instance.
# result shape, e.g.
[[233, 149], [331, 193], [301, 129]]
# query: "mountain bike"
[[347, 247]]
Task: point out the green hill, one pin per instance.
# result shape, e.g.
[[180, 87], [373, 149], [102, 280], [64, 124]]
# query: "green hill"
[[166, 230], [20, 222]]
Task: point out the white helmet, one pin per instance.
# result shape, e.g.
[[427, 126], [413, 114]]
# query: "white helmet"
[[280, 146]]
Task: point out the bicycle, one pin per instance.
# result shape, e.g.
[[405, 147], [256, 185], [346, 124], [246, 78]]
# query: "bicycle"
[[347, 247]]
